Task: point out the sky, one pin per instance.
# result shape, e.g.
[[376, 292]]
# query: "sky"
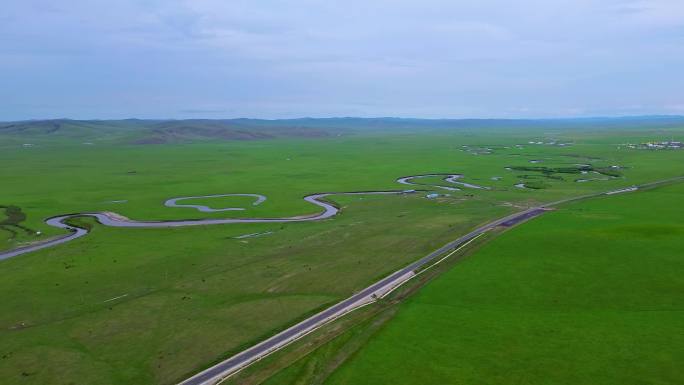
[[99, 59]]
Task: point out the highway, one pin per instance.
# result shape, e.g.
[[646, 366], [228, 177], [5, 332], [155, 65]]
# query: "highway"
[[218, 372], [232, 365]]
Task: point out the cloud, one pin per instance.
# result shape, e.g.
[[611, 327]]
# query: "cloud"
[[273, 58]]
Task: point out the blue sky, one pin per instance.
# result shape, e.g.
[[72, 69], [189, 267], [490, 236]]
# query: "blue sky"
[[280, 59]]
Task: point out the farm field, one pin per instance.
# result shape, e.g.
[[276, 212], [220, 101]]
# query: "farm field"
[[587, 294], [122, 306]]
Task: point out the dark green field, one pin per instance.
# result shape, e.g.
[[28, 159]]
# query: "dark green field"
[[588, 294], [139, 306]]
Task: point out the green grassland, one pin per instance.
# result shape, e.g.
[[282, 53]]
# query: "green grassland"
[[123, 306], [48, 180], [587, 294], [193, 295]]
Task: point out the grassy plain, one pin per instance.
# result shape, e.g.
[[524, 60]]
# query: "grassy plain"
[[587, 294], [123, 306]]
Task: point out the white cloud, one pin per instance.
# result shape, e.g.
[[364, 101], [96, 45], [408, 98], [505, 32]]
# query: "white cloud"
[[277, 57]]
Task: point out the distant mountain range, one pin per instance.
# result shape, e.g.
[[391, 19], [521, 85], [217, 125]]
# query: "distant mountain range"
[[139, 131], [136, 131]]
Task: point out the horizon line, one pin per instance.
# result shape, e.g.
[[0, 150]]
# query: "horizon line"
[[596, 117]]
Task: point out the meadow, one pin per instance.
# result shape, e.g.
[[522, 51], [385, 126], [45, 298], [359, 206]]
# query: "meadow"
[[123, 306], [586, 294]]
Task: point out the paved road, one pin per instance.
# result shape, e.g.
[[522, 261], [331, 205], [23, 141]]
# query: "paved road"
[[367, 295], [329, 210], [232, 365]]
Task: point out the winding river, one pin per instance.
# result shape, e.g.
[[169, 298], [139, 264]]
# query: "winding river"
[[173, 202], [449, 178], [329, 210]]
